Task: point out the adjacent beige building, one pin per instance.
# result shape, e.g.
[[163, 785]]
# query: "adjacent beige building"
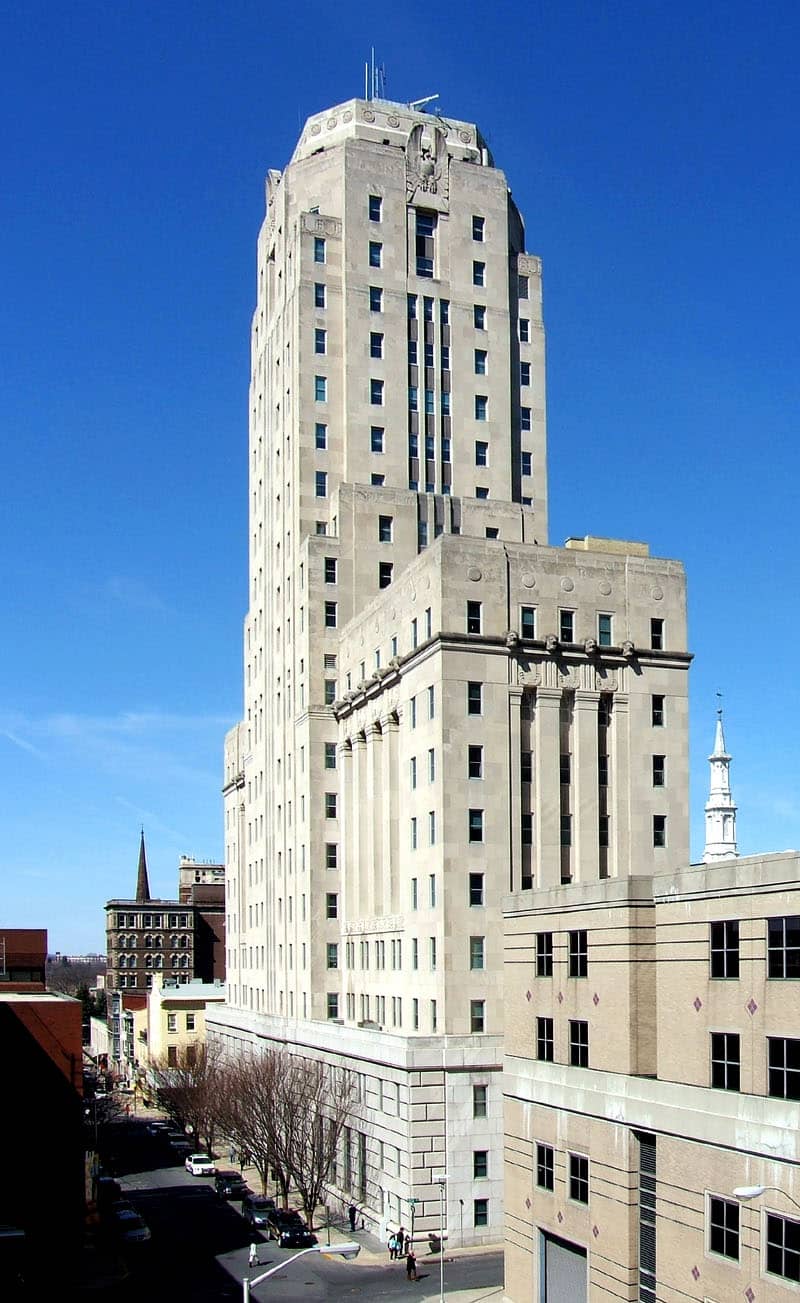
[[439, 707], [653, 1070]]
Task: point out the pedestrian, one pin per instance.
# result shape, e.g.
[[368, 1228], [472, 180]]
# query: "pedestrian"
[[407, 1244], [401, 1236], [252, 1260], [392, 1247], [411, 1265], [351, 1213], [232, 1154]]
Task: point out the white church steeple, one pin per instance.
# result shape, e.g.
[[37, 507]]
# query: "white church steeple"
[[720, 809]]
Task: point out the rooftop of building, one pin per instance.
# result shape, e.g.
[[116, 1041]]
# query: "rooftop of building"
[[388, 122]]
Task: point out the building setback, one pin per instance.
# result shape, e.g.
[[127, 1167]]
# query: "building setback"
[[439, 707]]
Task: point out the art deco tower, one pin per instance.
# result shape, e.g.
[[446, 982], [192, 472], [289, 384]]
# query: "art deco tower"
[[438, 706]]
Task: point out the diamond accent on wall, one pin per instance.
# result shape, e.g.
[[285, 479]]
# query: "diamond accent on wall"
[[698, 1003], [696, 1272], [560, 998], [528, 1202], [595, 999], [528, 996], [560, 1218], [751, 1006], [595, 1232], [749, 1295]]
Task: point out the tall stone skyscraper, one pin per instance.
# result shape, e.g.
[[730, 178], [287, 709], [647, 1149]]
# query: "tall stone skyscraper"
[[439, 708]]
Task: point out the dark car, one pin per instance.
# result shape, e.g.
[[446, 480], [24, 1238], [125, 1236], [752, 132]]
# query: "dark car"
[[257, 1209], [289, 1229], [230, 1185]]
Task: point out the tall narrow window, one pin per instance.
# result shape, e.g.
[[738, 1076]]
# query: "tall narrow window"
[[478, 225], [425, 242], [319, 249], [375, 208]]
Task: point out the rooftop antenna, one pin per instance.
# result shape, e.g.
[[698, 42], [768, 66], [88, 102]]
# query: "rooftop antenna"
[[426, 99], [374, 78]]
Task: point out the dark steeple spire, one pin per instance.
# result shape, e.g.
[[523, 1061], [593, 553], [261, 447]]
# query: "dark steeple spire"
[[142, 885]]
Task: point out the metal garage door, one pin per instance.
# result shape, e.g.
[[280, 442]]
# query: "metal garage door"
[[563, 1271]]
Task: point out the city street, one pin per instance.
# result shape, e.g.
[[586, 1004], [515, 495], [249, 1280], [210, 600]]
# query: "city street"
[[199, 1246]]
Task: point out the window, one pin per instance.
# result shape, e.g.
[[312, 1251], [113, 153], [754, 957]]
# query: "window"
[[375, 298], [385, 569], [477, 1016], [578, 953], [525, 373], [333, 1005], [725, 948], [330, 805], [783, 1061], [476, 952], [321, 484], [479, 1101], [427, 309], [475, 824], [413, 772], [320, 435], [481, 491], [604, 629], [330, 569], [526, 463], [425, 233], [481, 407], [545, 1046], [579, 1178], [566, 626], [375, 253], [544, 954], [375, 207], [522, 287], [783, 946], [481, 453], [330, 615], [412, 352], [578, 1043], [725, 1060], [172, 1022], [476, 889], [331, 905], [376, 344], [723, 1227], [478, 273], [526, 766], [431, 765], [474, 759], [321, 526], [431, 695], [480, 1164], [432, 953], [376, 393], [528, 621], [657, 635], [411, 301], [480, 361], [329, 691], [474, 699], [413, 831], [413, 708], [657, 710], [478, 224], [320, 340], [332, 951], [783, 1247], [479, 316], [320, 389], [319, 249], [545, 1167], [413, 401], [331, 855], [524, 330], [385, 527], [432, 842], [565, 824], [659, 770], [480, 1212], [659, 830], [474, 617], [319, 295]]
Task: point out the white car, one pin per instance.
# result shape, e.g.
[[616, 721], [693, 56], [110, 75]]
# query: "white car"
[[200, 1165]]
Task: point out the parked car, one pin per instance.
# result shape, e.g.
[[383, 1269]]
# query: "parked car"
[[291, 1232], [158, 1128], [230, 1185], [129, 1226], [179, 1142], [200, 1165], [256, 1209]]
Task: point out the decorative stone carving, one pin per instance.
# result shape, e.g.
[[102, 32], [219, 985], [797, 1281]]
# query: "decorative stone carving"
[[368, 115], [551, 644], [656, 594], [512, 638], [605, 587], [314, 129], [590, 646], [393, 120], [567, 584], [465, 137], [331, 123], [605, 682], [628, 649], [528, 580], [347, 116], [474, 574], [427, 163]]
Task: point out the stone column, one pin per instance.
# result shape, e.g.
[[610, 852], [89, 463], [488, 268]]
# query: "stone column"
[[547, 791], [585, 804], [373, 843]]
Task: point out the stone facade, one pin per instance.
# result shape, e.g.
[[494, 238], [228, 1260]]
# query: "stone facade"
[[691, 1089], [438, 707]]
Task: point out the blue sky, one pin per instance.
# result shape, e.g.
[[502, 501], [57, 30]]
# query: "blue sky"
[[653, 150]]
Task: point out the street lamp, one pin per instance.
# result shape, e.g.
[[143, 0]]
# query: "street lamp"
[[347, 1250], [746, 1192], [441, 1181]]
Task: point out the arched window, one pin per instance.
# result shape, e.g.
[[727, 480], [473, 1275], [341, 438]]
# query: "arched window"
[[148, 961], [159, 943], [173, 959], [173, 940], [184, 961], [131, 963], [184, 942], [159, 961], [148, 941]]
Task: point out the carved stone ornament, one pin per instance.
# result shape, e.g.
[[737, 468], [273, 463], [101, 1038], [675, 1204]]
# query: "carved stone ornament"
[[474, 574], [628, 649], [512, 638], [605, 682], [567, 585], [427, 163], [656, 594], [368, 115], [528, 580], [551, 643], [605, 588], [590, 646]]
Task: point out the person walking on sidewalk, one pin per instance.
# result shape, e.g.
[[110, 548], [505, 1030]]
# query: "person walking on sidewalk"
[[411, 1266], [252, 1260], [392, 1247], [351, 1213]]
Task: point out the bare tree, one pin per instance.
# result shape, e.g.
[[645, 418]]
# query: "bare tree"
[[250, 1111], [314, 1100], [191, 1089]]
